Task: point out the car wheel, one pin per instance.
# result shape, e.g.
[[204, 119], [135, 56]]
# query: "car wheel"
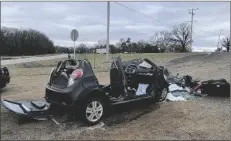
[[163, 95], [93, 111]]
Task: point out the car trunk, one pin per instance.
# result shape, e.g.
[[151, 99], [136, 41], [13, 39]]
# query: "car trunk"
[[61, 79]]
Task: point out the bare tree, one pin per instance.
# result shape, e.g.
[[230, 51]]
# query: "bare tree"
[[128, 45], [226, 43], [181, 35], [161, 40], [140, 45], [82, 48], [122, 44], [101, 44]]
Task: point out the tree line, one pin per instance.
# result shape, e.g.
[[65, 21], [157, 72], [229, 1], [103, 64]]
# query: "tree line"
[[24, 42], [31, 42], [178, 39]]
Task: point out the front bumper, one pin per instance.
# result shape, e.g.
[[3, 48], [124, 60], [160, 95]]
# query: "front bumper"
[[27, 108], [15, 107]]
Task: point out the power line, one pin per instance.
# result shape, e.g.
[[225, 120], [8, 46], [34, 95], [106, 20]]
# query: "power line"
[[136, 11]]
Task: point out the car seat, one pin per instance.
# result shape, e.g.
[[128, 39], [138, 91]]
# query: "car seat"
[[117, 78]]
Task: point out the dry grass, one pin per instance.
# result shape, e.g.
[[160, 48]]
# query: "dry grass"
[[43, 67]]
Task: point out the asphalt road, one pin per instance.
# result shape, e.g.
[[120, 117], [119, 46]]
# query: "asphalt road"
[[31, 59]]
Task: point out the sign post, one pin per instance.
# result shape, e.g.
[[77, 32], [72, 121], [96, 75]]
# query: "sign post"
[[108, 23], [94, 56], [74, 37]]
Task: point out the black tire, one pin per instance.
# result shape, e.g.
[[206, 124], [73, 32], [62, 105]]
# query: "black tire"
[[161, 99], [83, 111], [158, 94]]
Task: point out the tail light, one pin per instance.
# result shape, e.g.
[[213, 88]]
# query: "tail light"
[[76, 74]]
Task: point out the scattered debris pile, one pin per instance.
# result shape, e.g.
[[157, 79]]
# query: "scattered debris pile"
[[184, 88]]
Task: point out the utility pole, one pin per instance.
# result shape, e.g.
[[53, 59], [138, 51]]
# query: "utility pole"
[[108, 23], [86, 49], [192, 14], [219, 40]]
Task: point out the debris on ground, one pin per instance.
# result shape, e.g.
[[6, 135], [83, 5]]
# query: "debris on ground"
[[216, 87], [170, 97], [97, 126], [184, 88]]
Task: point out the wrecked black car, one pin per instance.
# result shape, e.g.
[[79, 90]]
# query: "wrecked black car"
[[73, 85], [4, 77]]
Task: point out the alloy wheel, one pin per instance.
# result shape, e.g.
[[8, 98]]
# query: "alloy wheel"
[[94, 111]]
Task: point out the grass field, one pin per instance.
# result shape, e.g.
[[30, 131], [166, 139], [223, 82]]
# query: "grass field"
[[97, 61], [100, 58]]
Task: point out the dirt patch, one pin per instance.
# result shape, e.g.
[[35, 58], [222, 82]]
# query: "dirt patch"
[[38, 64], [202, 58], [129, 112], [194, 57], [203, 66]]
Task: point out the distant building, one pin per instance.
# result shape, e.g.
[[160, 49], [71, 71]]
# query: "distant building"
[[101, 51]]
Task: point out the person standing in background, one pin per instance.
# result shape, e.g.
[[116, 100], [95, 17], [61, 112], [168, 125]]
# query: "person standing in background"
[[69, 55]]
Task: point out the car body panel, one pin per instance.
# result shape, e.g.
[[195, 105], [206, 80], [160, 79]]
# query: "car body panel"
[[76, 92], [32, 109]]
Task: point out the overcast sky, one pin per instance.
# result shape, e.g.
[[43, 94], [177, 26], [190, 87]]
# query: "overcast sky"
[[57, 19]]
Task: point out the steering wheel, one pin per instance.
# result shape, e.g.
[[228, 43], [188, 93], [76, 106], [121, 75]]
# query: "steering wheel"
[[131, 69]]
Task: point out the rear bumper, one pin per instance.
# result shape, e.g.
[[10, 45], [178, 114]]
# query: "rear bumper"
[[62, 97]]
